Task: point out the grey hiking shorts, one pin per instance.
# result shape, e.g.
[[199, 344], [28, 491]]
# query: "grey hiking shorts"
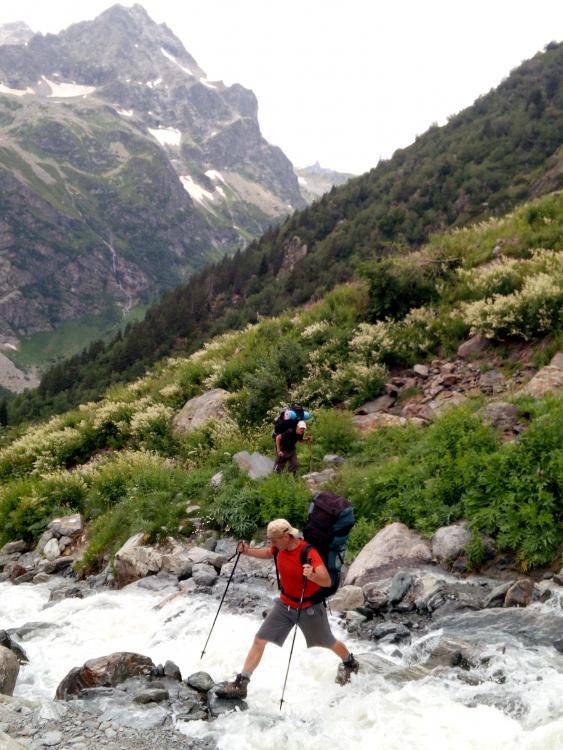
[[313, 623]]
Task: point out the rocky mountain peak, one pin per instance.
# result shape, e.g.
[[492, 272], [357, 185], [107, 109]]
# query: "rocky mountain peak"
[[16, 32]]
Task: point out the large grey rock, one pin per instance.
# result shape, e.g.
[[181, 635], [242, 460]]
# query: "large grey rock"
[[376, 595], [448, 542], [391, 549], [200, 410], [9, 670], [316, 480], [347, 597], [105, 671], [497, 596], [439, 406], [557, 361], [7, 641], [135, 560], [400, 586], [51, 549], [422, 370], [500, 415], [202, 555], [520, 593], [548, 380], [451, 652], [14, 547], [379, 404], [70, 526], [492, 381], [204, 574], [200, 681], [254, 464], [471, 347]]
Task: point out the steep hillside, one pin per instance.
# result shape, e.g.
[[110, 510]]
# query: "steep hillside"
[[456, 432], [122, 170], [504, 148]]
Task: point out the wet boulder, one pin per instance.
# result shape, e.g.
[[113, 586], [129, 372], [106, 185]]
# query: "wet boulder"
[[400, 586], [497, 596], [376, 595], [105, 671], [135, 560], [204, 574], [520, 594], [200, 681], [451, 652], [9, 670], [392, 548], [7, 641]]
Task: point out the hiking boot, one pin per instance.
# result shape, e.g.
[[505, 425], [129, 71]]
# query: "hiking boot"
[[345, 669], [235, 689]]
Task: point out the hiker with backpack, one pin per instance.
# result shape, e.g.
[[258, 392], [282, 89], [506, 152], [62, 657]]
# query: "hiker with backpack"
[[289, 430], [302, 577], [286, 447]]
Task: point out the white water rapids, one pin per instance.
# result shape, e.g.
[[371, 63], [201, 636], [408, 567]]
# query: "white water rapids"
[[438, 712]]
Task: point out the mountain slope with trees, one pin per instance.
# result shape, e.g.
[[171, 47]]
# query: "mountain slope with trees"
[[505, 148], [122, 171], [128, 469]]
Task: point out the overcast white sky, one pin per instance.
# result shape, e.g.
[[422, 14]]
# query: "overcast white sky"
[[344, 82]]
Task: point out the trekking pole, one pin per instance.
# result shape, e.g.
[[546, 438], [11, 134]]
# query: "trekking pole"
[[294, 634], [222, 600], [310, 454]]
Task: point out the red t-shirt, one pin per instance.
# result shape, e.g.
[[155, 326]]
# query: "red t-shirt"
[[291, 574]]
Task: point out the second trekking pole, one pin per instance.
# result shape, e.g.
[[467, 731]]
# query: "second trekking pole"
[[294, 634], [222, 600]]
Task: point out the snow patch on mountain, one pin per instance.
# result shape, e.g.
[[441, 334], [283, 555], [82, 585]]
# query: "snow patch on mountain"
[[15, 92], [67, 90], [166, 136], [173, 59]]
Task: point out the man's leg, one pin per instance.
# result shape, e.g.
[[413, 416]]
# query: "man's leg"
[[280, 463], [254, 656], [292, 459]]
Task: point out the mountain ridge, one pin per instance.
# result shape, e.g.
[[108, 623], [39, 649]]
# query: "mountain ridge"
[[111, 131]]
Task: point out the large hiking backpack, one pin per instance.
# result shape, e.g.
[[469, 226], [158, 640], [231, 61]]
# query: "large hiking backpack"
[[288, 419], [330, 520]]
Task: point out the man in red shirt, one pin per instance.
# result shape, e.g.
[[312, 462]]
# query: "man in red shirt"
[[313, 620]]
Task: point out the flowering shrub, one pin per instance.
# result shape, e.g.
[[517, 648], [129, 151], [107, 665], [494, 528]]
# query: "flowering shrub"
[[533, 310]]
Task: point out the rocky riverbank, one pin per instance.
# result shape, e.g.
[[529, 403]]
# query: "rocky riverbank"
[[400, 592]]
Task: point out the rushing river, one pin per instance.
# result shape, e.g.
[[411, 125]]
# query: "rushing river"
[[522, 710]]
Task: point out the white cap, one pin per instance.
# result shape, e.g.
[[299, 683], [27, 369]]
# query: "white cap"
[[301, 425], [279, 527]]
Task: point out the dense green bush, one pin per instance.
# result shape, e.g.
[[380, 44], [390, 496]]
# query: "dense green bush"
[[241, 507]]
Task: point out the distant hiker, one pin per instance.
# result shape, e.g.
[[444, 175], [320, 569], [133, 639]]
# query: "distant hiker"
[[286, 544], [286, 447]]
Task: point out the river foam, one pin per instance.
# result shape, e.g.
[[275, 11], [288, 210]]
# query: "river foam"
[[442, 710]]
